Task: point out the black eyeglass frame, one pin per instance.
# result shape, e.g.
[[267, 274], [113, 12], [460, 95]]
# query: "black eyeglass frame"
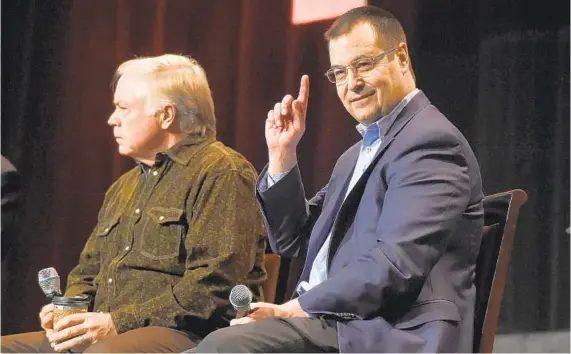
[[351, 65]]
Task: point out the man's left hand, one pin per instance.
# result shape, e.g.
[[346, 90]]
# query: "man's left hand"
[[261, 310], [81, 329]]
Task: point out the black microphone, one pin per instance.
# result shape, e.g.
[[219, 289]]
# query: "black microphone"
[[241, 298], [49, 282]]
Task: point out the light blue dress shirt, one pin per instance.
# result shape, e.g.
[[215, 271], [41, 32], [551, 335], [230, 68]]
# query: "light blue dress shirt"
[[368, 151]]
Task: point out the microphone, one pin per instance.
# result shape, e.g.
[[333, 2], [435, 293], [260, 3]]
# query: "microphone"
[[49, 282], [240, 298]]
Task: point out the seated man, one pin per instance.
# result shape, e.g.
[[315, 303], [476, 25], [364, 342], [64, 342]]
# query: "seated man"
[[174, 234], [10, 193], [393, 237]]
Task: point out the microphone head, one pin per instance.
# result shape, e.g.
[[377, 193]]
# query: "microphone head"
[[240, 298], [49, 282]]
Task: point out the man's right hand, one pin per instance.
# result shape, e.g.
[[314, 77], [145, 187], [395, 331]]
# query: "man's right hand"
[[285, 126], [46, 317]]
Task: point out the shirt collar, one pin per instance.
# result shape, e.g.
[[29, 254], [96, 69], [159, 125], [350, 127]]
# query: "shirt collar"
[[179, 153], [160, 158], [362, 129]]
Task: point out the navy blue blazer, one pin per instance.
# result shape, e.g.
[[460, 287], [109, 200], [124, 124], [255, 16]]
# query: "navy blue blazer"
[[404, 241]]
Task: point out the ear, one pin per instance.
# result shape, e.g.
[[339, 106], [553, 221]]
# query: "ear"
[[167, 116], [403, 58]]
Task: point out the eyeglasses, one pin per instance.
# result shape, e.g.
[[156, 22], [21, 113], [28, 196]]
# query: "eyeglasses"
[[337, 74]]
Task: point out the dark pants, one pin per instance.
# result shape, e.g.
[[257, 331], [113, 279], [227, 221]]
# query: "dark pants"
[[141, 340], [273, 334]]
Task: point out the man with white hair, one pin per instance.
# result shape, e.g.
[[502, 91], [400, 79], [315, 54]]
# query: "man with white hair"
[[174, 234]]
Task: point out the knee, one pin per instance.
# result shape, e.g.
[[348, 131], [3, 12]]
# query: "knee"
[[32, 342], [7, 345], [224, 340], [100, 347]]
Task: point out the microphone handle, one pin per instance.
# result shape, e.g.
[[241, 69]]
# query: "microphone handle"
[[51, 296], [242, 312]]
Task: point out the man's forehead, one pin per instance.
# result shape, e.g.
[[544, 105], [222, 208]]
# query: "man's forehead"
[[361, 40], [129, 88]]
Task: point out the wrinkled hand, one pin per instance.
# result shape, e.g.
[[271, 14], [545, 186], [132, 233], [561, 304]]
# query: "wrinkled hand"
[[285, 125], [46, 318], [262, 310], [81, 329]]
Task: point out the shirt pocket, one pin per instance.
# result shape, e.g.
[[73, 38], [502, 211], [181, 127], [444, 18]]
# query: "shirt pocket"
[[163, 236], [106, 226], [102, 231]]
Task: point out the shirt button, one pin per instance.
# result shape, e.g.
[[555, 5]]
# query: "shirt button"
[[127, 248], [161, 217], [137, 211], [106, 229], [155, 173], [110, 280]]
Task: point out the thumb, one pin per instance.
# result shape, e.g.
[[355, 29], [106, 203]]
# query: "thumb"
[[242, 320], [256, 305]]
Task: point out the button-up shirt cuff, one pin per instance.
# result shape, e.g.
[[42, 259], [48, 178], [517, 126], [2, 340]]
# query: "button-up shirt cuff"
[[125, 319], [271, 180]]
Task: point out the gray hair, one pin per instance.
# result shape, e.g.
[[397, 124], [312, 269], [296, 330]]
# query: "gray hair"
[[177, 80]]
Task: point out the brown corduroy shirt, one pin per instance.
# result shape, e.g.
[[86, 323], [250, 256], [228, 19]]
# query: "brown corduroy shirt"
[[173, 239]]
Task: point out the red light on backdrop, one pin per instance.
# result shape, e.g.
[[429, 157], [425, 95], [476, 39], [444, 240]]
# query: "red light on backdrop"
[[307, 11]]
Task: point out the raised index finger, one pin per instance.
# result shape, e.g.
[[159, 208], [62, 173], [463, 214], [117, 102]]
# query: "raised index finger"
[[303, 95]]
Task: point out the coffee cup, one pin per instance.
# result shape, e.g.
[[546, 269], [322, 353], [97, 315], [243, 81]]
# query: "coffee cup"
[[65, 306]]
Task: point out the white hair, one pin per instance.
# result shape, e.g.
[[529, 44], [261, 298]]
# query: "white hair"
[[177, 80]]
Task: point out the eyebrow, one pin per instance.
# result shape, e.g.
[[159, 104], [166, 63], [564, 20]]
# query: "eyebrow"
[[360, 56]]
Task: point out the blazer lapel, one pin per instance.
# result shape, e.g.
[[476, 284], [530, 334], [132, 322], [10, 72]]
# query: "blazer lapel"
[[331, 209], [392, 128], [348, 208]]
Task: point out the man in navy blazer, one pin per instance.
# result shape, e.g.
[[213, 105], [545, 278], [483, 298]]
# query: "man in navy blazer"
[[391, 242]]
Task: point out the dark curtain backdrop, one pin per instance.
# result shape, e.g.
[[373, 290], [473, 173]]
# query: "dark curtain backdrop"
[[495, 68]]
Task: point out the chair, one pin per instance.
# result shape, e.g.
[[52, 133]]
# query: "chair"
[[269, 286], [500, 214]]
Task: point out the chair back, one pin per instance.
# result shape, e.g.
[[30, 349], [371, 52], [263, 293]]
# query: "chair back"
[[272, 264], [500, 213]]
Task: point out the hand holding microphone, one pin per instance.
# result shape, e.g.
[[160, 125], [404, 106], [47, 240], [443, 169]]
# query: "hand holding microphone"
[[49, 282], [67, 322], [241, 299]]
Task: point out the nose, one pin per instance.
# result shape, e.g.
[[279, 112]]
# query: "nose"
[[353, 80], [113, 120]]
